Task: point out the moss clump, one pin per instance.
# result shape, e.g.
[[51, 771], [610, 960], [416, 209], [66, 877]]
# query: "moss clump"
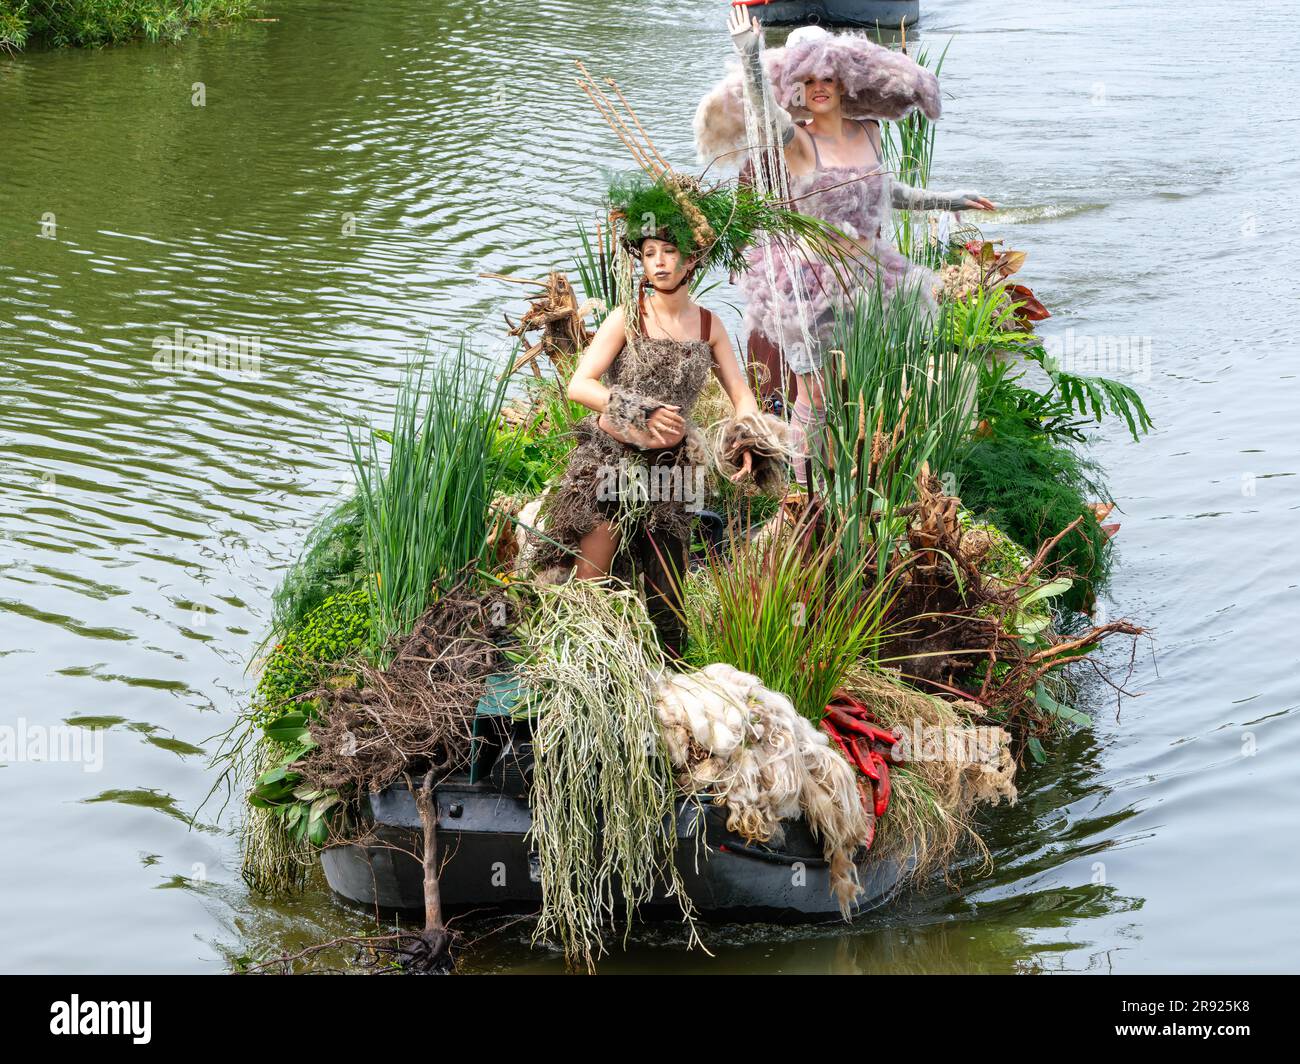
[[332, 561], [337, 628]]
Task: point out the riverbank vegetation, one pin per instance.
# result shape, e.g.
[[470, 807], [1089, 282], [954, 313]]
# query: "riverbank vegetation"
[[94, 23]]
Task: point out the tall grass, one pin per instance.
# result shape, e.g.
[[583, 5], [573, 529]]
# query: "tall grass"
[[907, 148], [783, 611], [900, 392], [425, 505]]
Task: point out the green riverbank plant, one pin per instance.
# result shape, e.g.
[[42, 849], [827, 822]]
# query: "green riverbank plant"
[[783, 609], [91, 23], [1032, 489], [332, 561], [900, 389], [337, 629]]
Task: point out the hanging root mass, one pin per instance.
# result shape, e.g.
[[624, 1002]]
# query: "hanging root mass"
[[419, 711]]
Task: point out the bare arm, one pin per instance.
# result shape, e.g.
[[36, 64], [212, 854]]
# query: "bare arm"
[[906, 198], [730, 375], [584, 385], [747, 37], [732, 379]]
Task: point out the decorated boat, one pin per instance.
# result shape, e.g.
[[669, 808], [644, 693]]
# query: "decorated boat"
[[801, 710], [484, 822]]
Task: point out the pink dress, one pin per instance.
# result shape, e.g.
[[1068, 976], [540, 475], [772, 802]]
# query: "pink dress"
[[856, 200]]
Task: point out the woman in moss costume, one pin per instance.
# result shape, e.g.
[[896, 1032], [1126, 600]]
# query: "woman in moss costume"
[[638, 472]]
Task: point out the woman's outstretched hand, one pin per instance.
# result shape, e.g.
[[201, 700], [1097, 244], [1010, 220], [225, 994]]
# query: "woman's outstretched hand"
[[972, 202], [667, 426], [744, 29]]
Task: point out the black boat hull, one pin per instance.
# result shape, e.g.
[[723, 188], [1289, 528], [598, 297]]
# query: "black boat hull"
[[486, 861]]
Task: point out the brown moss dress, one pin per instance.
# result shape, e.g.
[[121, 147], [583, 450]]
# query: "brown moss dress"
[[663, 371]]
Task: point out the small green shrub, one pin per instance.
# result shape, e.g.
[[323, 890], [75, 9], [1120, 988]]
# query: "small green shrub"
[[1032, 489], [337, 628], [92, 23]]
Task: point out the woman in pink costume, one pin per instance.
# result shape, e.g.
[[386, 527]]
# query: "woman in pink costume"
[[839, 86]]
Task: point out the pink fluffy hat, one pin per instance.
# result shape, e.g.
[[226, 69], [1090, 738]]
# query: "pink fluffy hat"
[[876, 82]]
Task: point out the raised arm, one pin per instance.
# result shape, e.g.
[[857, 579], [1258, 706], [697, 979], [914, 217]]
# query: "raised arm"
[[747, 37]]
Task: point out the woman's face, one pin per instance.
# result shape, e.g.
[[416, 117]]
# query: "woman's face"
[[663, 263], [821, 95]]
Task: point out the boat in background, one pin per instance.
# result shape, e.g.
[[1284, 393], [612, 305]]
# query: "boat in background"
[[882, 14]]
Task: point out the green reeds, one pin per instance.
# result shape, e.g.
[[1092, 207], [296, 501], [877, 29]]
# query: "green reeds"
[[784, 610], [900, 393], [596, 268], [425, 505], [907, 148]]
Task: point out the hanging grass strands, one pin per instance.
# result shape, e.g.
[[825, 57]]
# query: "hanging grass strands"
[[603, 797]]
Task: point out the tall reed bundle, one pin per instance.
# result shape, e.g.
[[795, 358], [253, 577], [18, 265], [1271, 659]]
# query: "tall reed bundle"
[[899, 396], [426, 505]]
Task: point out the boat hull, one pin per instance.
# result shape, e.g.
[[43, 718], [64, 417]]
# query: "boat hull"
[[486, 861], [887, 14]]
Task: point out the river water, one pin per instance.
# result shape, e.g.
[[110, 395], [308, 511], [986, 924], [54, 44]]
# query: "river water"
[[351, 170]]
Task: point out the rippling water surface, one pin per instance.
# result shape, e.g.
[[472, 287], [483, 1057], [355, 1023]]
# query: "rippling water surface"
[[353, 170]]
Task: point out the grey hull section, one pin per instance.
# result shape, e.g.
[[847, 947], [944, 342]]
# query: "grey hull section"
[[887, 14], [487, 861]]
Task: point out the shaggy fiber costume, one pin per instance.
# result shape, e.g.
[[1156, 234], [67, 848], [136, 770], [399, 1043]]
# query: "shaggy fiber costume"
[[649, 496], [646, 374]]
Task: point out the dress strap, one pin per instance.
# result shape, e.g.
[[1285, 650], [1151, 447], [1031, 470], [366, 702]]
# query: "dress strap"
[[817, 156], [706, 325], [862, 123]]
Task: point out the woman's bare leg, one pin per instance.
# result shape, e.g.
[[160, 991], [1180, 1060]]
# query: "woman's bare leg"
[[807, 419], [596, 553]]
